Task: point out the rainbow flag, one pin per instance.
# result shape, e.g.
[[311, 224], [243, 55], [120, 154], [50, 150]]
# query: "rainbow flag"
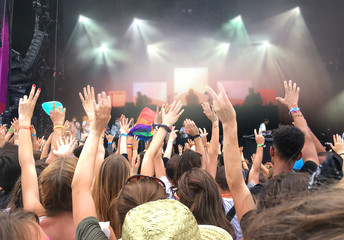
[[143, 127]]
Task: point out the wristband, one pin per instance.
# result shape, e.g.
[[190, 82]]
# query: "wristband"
[[261, 145], [123, 134], [293, 110], [58, 126], [129, 147], [297, 115], [10, 130], [110, 143], [33, 135], [129, 144], [25, 127], [165, 127], [196, 136], [82, 141]]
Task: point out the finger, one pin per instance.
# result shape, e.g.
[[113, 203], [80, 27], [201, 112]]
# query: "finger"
[[223, 92], [331, 146], [290, 85], [260, 132], [38, 92], [85, 93], [334, 139], [93, 95], [54, 106], [255, 132], [285, 86], [32, 92], [212, 93], [281, 100], [88, 91], [180, 113], [294, 87], [81, 97]]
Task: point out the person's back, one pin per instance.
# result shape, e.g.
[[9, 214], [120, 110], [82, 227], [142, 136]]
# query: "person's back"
[[59, 227]]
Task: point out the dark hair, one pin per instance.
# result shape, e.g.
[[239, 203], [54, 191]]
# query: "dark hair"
[[171, 166], [9, 167], [18, 225], [187, 161], [198, 191], [77, 151], [282, 188], [320, 215], [221, 178], [16, 199], [132, 195], [288, 142]]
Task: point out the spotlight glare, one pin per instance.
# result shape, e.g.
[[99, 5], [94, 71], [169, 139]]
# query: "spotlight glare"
[[103, 48], [266, 44], [136, 22], [83, 19], [238, 19], [224, 47], [151, 49], [297, 10]]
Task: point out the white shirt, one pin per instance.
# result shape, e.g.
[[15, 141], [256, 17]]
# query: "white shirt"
[[168, 186], [228, 204]]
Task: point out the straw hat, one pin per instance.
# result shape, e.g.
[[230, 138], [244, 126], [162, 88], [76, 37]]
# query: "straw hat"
[[167, 219]]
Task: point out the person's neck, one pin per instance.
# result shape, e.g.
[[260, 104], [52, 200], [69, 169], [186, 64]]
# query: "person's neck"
[[224, 193], [282, 167]]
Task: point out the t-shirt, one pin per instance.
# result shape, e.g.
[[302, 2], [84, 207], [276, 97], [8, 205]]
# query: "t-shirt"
[[228, 204], [168, 186], [89, 229]]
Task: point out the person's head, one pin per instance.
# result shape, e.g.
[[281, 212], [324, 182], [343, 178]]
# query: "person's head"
[[20, 225], [171, 166], [9, 167], [132, 195], [139, 94], [56, 181], [282, 188], [266, 121], [198, 191], [187, 161], [251, 91], [317, 216], [221, 180], [191, 91], [287, 145], [111, 177], [16, 196], [85, 118]]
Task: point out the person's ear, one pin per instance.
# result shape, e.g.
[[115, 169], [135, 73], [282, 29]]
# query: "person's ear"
[[272, 151]]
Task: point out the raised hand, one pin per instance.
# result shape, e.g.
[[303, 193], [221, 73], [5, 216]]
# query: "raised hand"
[[158, 116], [27, 105], [259, 137], [171, 116], [135, 143], [338, 146], [67, 125], [2, 137], [65, 147], [124, 125], [88, 101], [102, 113], [190, 127], [221, 105], [57, 116], [209, 112], [291, 97], [173, 135], [204, 135], [15, 125], [109, 138]]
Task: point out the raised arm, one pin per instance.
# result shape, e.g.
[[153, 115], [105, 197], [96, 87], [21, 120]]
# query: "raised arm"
[[171, 138], [253, 176], [29, 179], [83, 204], [243, 200], [291, 100], [168, 119]]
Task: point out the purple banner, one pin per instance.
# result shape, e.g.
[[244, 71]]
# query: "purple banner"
[[4, 59]]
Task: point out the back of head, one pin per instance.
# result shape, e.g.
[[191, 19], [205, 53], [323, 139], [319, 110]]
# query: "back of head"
[[56, 181], [171, 166], [288, 143], [221, 179], [162, 219], [18, 225], [187, 161], [317, 216], [282, 188], [132, 195], [9, 167], [111, 177], [198, 191]]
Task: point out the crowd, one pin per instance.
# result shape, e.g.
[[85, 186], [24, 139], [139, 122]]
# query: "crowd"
[[69, 188]]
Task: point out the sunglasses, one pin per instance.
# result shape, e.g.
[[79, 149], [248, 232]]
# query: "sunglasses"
[[139, 177]]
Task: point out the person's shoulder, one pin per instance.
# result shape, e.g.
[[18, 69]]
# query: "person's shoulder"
[[309, 167]]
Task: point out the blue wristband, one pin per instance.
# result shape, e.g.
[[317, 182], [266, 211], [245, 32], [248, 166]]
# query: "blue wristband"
[[33, 135], [123, 134], [110, 143]]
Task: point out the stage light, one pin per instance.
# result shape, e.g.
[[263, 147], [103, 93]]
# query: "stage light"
[[103, 48], [136, 22], [151, 49], [297, 10], [83, 19], [224, 47], [266, 44], [238, 19]]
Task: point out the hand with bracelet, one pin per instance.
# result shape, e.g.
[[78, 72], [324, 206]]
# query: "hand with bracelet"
[[191, 129], [204, 135], [57, 116], [338, 146]]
